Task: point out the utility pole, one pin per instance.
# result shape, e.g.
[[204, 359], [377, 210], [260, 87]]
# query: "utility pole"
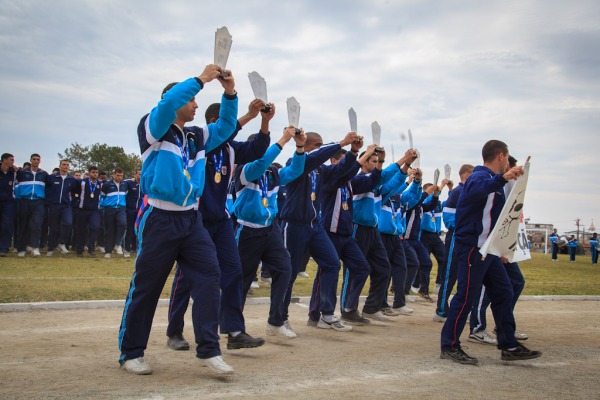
[[577, 224]]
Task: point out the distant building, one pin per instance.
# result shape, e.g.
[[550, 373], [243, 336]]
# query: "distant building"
[[538, 234]]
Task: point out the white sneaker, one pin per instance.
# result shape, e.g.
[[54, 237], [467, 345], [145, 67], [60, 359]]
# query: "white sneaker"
[[126, 254], [218, 365], [282, 331], [28, 249], [404, 310], [438, 318], [106, 255], [137, 366], [437, 288], [410, 299], [268, 281], [378, 316], [35, 252], [254, 285], [415, 290], [21, 254], [334, 324], [521, 336], [62, 248], [390, 312], [119, 249], [100, 249], [49, 253], [303, 274], [482, 337]]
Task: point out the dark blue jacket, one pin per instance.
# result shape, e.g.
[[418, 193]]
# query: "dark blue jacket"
[[414, 215], [59, 190], [88, 194], [29, 185], [134, 197], [7, 181], [113, 195]]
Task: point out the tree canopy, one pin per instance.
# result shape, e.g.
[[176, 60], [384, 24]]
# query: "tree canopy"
[[103, 156]]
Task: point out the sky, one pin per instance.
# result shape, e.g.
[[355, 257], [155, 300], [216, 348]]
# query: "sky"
[[456, 73]]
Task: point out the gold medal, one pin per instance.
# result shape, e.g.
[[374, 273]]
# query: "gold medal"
[[217, 177], [92, 195], [345, 206], [187, 174], [313, 196], [265, 202], [432, 219], [393, 217]]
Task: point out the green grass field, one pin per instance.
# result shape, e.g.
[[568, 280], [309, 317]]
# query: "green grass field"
[[68, 278]]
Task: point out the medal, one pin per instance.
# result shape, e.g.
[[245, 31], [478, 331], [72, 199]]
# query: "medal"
[[345, 206], [393, 217], [432, 219], [187, 174], [265, 202], [313, 196], [92, 195], [217, 177], [218, 162]]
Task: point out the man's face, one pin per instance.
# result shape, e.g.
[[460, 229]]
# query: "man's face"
[[93, 174], [336, 161], [371, 164], [35, 161], [77, 175], [313, 143], [10, 161], [137, 175], [118, 177], [503, 163], [187, 112], [64, 167]]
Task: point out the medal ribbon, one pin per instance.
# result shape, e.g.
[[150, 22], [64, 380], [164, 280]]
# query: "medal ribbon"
[[344, 194], [313, 181], [218, 161], [93, 188], [264, 186], [185, 152]]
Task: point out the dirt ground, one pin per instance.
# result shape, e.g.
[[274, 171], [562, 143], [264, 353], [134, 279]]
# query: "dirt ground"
[[73, 354]]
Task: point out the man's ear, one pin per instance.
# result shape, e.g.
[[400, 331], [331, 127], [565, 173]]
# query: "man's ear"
[[212, 120]]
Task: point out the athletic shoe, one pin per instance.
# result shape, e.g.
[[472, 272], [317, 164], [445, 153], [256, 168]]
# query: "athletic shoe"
[[62, 248], [334, 324], [458, 355], [126, 254], [28, 249], [92, 253], [312, 322], [243, 341], [404, 310], [410, 299], [377, 316], [520, 353], [303, 274], [100, 249], [106, 255], [389, 312], [521, 336], [437, 288], [414, 289], [21, 254], [482, 337], [268, 281], [35, 252], [137, 366], [79, 254], [177, 342], [254, 285], [3, 253], [218, 365], [354, 318], [282, 331], [425, 297], [438, 318], [49, 253], [119, 249]]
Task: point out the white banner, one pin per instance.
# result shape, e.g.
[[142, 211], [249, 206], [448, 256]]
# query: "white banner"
[[508, 238]]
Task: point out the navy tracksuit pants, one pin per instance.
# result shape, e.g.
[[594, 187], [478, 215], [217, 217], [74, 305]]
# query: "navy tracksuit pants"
[[448, 276], [7, 211], [554, 251], [370, 244], [115, 223], [412, 266], [394, 248], [231, 317], [297, 237], [472, 273], [60, 221], [30, 216], [88, 224], [425, 264], [166, 237], [266, 245], [478, 320], [434, 245], [130, 240], [356, 272]]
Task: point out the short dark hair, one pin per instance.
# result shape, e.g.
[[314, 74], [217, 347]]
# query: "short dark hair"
[[465, 169], [492, 148], [212, 112], [339, 154], [118, 171], [512, 162], [167, 88], [92, 168], [427, 185], [26, 164], [6, 156], [35, 155], [102, 173], [64, 160]]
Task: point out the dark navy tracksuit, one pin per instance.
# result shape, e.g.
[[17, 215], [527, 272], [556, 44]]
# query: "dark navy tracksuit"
[[301, 230], [593, 244], [477, 211], [336, 218], [7, 208], [59, 192], [113, 202], [554, 239], [219, 224], [170, 229], [133, 200], [88, 220], [30, 193], [431, 226]]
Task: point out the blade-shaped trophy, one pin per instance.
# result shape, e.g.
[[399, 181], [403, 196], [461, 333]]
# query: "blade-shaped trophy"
[[417, 162], [447, 171], [293, 109], [376, 133], [222, 47], [393, 157], [436, 177], [352, 116], [410, 140], [259, 88]]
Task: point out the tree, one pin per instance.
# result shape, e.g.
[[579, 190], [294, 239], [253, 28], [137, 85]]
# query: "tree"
[[103, 156]]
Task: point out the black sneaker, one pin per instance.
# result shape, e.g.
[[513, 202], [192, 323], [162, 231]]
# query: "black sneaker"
[[458, 355], [177, 342], [92, 253], [520, 353], [425, 296], [354, 318], [243, 341]]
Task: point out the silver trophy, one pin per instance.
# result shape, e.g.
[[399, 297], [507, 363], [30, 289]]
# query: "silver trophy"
[[259, 88], [293, 109], [436, 177], [353, 124], [417, 162], [410, 140], [376, 133], [447, 171], [222, 47]]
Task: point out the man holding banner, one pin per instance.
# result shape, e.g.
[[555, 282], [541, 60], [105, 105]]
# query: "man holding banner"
[[479, 208]]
